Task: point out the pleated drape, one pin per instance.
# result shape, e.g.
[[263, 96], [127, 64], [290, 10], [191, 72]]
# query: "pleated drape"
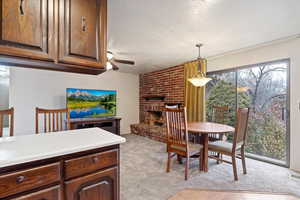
[[194, 96]]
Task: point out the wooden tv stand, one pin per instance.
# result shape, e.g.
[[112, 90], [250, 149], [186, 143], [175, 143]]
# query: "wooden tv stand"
[[111, 124]]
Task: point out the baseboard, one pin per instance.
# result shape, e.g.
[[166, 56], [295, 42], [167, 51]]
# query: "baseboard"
[[295, 174]]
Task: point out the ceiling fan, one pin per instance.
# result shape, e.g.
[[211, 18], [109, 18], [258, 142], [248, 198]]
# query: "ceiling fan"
[[111, 61]]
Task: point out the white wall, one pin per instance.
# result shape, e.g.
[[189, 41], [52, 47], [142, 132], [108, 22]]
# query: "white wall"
[[284, 49], [30, 88]]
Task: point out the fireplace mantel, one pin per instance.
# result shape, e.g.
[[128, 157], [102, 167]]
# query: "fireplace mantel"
[[154, 97]]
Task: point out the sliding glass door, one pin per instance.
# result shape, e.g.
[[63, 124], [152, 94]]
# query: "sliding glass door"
[[265, 89]]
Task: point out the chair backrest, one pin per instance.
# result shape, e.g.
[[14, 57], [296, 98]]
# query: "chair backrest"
[[219, 113], [241, 127], [53, 119], [176, 122], [10, 114]]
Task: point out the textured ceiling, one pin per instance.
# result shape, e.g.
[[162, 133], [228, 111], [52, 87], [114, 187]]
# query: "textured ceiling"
[[162, 33]]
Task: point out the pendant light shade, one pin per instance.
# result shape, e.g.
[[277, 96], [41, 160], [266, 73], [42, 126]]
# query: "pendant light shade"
[[200, 79]]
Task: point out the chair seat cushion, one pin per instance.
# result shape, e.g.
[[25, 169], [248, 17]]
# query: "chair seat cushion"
[[192, 147], [222, 146]]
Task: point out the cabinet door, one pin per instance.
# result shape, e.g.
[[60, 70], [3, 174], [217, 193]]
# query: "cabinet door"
[[47, 194], [102, 185], [82, 36], [27, 28]]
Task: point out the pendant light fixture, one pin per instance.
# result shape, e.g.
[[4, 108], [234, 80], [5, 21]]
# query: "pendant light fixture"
[[200, 79]]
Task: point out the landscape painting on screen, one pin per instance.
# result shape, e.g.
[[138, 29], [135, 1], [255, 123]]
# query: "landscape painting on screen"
[[85, 103]]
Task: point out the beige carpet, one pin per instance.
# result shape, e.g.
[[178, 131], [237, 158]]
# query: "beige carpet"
[[193, 194], [143, 176]]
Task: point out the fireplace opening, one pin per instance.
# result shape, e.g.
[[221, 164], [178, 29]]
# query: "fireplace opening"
[[155, 118], [152, 117]]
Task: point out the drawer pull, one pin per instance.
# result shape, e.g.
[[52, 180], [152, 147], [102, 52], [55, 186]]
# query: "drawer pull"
[[95, 159], [20, 179]]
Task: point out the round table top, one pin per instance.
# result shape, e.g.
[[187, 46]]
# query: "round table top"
[[209, 127]]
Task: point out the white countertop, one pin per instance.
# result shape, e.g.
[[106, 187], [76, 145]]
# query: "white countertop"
[[22, 149]]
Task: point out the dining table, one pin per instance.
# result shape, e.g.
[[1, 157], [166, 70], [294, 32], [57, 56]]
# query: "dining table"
[[203, 129]]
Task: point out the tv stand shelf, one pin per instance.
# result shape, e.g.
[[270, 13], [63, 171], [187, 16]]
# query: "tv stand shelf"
[[111, 124]]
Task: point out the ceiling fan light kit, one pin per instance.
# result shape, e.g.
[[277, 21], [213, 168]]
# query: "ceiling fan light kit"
[[200, 79], [109, 55], [110, 64]]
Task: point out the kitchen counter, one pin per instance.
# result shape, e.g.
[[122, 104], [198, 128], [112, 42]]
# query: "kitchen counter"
[[22, 149], [65, 165]]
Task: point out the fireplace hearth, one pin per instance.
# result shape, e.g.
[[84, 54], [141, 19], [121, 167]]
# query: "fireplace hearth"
[[153, 123]]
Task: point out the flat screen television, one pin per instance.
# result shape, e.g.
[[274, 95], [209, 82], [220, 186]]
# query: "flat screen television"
[[86, 103]]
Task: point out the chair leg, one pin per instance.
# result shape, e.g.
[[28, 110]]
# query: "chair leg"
[[234, 168], [218, 155], [169, 162], [243, 160], [200, 161], [187, 166]]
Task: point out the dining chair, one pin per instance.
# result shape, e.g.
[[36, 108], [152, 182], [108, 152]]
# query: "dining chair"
[[219, 114], [53, 120], [10, 114], [178, 138], [237, 148]]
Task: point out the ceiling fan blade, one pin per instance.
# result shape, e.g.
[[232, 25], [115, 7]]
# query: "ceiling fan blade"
[[115, 67], [127, 62]]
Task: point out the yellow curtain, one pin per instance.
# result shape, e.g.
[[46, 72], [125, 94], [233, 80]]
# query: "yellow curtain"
[[194, 96]]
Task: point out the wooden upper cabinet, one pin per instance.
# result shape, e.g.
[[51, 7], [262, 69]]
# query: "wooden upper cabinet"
[[82, 32], [27, 29], [63, 35]]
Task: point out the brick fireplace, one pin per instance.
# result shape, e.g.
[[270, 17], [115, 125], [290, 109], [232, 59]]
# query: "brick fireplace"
[[158, 89]]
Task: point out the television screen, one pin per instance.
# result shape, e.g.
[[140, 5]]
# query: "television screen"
[[85, 103]]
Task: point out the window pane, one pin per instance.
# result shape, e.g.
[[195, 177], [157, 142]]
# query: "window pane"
[[221, 91], [265, 87]]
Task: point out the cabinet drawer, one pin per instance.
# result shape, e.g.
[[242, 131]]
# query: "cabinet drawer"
[[21, 181], [52, 193], [90, 163]]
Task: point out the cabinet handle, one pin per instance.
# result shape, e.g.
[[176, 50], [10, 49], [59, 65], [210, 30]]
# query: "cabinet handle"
[[21, 7], [95, 159], [20, 179], [83, 24]]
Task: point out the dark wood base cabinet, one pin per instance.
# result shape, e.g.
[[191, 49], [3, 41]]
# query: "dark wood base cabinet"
[[88, 175]]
